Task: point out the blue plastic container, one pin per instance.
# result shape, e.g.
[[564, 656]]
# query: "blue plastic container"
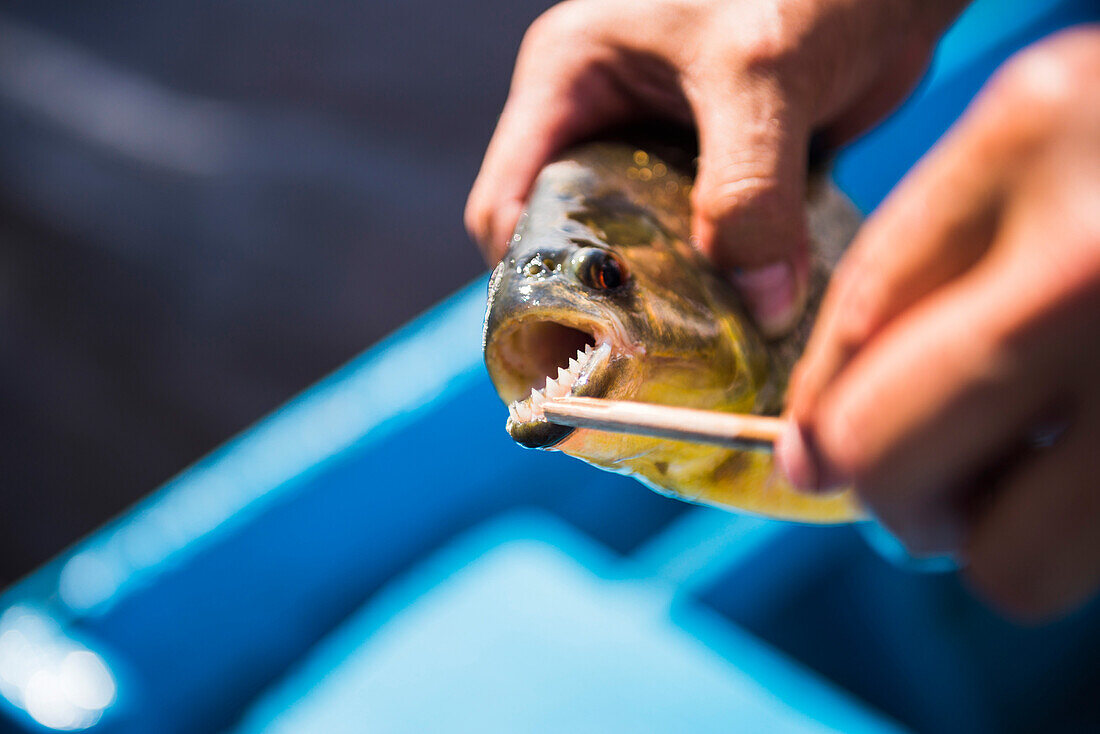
[[379, 556]]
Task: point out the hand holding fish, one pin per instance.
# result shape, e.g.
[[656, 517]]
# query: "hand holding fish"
[[952, 376], [964, 320], [755, 79]]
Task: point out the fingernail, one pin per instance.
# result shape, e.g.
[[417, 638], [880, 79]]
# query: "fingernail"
[[795, 460], [772, 295]]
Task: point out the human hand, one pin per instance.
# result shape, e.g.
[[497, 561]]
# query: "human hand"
[[965, 318], [756, 79]]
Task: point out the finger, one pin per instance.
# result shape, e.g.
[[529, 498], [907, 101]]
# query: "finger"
[[582, 67], [1036, 551], [549, 107], [934, 226], [749, 196], [919, 240], [939, 394]]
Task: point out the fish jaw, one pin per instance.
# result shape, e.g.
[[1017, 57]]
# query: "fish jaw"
[[555, 353], [584, 375]]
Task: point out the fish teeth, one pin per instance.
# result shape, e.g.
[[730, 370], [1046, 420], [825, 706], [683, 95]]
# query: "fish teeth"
[[530, 409], [560, 386]]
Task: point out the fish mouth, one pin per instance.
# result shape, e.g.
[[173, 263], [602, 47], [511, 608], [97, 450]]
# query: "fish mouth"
[[537, 360]]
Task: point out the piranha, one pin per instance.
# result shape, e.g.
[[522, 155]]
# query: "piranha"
[[601, 294]]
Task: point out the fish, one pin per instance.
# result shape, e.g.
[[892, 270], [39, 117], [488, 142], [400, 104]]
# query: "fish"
[[601, 294]]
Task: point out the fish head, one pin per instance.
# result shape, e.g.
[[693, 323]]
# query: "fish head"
[[601, 295]]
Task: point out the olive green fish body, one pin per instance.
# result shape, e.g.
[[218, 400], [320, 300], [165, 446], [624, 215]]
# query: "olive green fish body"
[[601, 295]]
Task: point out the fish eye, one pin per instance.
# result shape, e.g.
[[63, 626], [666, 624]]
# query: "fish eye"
[[599, 269]]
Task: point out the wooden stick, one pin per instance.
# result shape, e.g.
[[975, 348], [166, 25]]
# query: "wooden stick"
[[732, 430]]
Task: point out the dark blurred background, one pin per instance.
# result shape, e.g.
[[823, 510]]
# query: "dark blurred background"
[[206, 206]]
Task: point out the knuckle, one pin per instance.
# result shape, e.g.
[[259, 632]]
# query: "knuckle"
[[1000, 356], [844, 446], [860, 304], [551, 25], [753, 221], [1050, 79], [773, 44], [742, 188], [800, 379], [475, 218], [769, 52], [562, 22]]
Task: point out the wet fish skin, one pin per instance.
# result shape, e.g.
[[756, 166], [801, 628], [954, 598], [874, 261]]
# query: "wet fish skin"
[[601, 255]]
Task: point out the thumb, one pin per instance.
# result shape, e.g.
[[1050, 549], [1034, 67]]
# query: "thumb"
[[749, 200]]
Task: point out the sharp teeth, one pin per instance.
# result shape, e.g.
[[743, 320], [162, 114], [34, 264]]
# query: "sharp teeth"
[[524, 412], [588, 349], [537, 398], [565, 377], [559, 387], [574, 366], [512, 412]]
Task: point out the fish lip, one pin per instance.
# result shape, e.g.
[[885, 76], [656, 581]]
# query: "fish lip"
[[540, 434]]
